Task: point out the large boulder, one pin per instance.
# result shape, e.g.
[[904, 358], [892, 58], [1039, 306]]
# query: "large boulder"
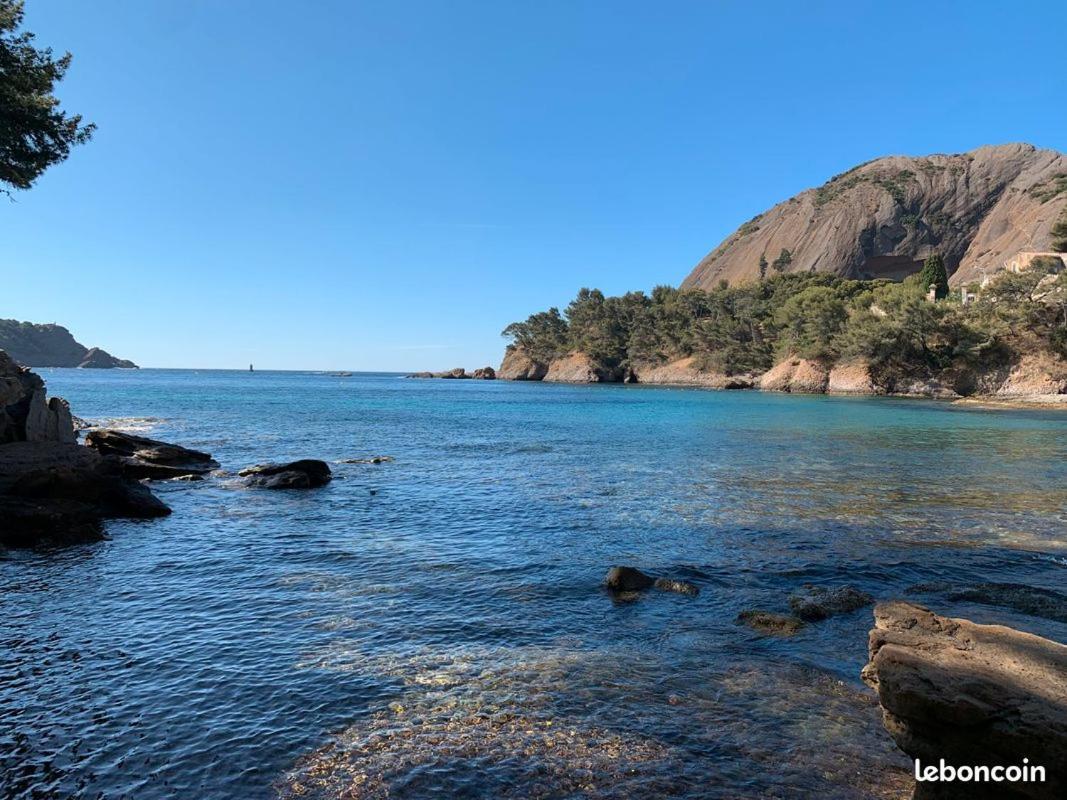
[[26, 413], [142, 457], [973, 695], [519, 366], [484, 373], [307, 473], [56, 492]]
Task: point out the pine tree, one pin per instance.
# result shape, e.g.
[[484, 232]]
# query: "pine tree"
[[933, 274], [762, 267], [785, 258]]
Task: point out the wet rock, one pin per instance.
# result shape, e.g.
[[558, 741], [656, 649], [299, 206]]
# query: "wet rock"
[[814, 603], [680, 587], [142, 457], [57, 492], [1019, 597], [304, 474], [971, 695], [631, 579], [770, 622], [627, 579], [371, 460]]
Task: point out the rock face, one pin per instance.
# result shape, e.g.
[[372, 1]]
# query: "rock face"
[[52, 346], [851, 377], [796, 375], [684, 372], [141, 457], [518, 366], [59, 493], [882, 218], [26, 414], [304, 474], [971, 695], [579, 368]]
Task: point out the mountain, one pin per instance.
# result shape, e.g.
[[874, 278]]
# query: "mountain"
[[882, 218], [52, 345]]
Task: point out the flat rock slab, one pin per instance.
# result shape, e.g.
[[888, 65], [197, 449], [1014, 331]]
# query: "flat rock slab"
[[142, 457], [972, 695]]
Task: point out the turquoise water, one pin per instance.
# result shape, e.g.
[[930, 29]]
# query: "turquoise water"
[[434, 626]]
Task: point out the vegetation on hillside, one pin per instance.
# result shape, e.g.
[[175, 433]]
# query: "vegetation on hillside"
[[35, 132], [746, 328]]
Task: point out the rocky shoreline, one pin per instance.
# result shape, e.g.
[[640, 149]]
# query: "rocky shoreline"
[[1030, 382]]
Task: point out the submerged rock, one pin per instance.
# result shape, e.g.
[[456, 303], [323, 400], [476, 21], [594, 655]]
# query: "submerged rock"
[[814, 603], [304, 474], [972, 695], [371, 460], [1019, 597], [631, 579], [142, 457], [770, 622]]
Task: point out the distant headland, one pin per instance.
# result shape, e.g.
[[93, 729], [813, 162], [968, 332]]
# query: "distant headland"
[[51, 345]]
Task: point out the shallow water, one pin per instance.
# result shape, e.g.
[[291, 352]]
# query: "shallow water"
[[433, 625]]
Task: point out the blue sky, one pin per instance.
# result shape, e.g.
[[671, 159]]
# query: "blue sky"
[[386, 185]]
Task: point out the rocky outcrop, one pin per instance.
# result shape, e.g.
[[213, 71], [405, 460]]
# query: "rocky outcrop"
[[459, 373], [814, 603], [95, 358], [797, 375], [484, 374], [52, 346], [26, 413], [60, 493], [626, 580], [852, 377], [684, 372], [519, 366], [972, 695], [580, 368], [141, 457], [307, 473], [882, 218]]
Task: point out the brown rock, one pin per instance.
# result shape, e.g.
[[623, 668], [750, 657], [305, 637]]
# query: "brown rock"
[[770, 622], [518, 366], [484, 373], [684, 372], [851, 377], [797, 375], [972, 695], [579, 368]]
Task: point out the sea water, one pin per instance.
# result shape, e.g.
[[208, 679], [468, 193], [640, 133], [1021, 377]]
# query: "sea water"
[[435, 626]]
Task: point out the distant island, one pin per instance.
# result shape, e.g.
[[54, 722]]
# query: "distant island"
[[943, 276], [51, 345]]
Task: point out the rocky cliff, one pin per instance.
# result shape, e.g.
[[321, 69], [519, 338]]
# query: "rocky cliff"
[[882, 218], [52, 345]]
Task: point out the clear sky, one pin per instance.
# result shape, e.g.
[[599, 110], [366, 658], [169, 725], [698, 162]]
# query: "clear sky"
[[386, 185]]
